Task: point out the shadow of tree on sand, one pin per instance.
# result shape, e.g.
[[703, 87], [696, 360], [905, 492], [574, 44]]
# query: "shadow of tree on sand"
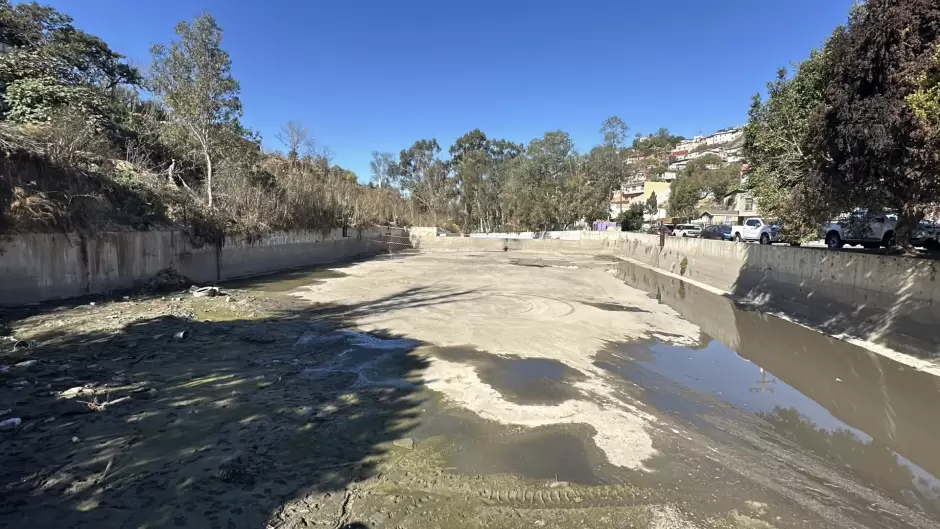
[[218, 429]]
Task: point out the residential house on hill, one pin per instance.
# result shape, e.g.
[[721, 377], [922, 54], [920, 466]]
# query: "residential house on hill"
[[724, 136]]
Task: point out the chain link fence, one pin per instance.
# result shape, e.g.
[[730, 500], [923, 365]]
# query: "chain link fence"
[[392, 239]]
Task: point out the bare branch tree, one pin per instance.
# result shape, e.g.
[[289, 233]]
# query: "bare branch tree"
[[296, 138]]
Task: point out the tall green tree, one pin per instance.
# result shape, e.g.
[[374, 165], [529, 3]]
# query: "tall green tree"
[[652, 205], [873, 146], [379, 165], [706, 178], [52, 65], [684, 196], [777, 146], [424, 177], [542, 190], [471, 161], [615, 132], [659, 144], [632, 218], [192, 76]]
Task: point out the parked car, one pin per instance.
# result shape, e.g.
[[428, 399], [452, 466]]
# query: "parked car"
[[927, 235], [869, 229], [687, 230], [756, 229], [717, 232]]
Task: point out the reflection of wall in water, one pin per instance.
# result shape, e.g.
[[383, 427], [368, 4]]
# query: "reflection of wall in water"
[[687, 301], [893, 403]]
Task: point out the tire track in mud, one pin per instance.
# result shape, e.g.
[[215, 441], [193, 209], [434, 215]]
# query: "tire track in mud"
[[518, 494], [567, 497]]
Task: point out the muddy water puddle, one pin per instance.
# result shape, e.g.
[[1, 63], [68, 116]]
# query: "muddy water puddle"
[[282, 282], [542, 263], [475, 446], [861, 411], [519, 380]]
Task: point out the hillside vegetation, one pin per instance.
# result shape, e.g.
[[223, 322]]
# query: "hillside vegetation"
[[90, 143]]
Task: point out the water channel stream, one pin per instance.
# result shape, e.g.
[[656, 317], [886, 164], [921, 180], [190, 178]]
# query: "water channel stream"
[[847, 405]]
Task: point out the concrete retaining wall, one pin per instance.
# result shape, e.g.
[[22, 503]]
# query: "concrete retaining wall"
[[887, 300], [37, 267]]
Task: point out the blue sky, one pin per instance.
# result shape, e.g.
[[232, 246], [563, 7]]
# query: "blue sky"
[[380, 74]]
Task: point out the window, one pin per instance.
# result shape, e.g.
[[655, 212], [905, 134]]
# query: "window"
[[748, 204], [751, 222]]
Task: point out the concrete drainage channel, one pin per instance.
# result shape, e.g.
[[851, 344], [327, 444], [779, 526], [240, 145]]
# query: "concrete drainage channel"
[[889, 302], [451, 390]]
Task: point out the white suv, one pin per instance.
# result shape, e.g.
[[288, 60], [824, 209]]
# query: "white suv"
[[688, 230], [870, 230], [756, 229]]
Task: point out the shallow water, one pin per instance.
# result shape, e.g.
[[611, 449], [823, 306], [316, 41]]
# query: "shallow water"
[[519, 380], [855, 408], [284, 281]]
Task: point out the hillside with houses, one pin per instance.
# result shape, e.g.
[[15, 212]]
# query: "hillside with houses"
[[659, 172]]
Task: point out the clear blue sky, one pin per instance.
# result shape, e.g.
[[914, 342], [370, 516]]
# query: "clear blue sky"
[[380, 74]]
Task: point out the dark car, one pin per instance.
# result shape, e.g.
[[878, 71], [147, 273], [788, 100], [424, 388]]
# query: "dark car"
[[656, 229], [718, 233]]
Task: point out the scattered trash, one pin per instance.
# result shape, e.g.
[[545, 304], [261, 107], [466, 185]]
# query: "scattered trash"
[[406, 442], [22, 344], [145, 393], [76, 440], [166, 279], [115, 402], [11, 424], [126, 298], [77, 391], [92, 304], [182, 335], [205, 292], [838, 379]]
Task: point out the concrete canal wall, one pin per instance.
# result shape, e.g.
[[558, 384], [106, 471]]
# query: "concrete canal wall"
[[883, 398], [38, 267], [887, 300]]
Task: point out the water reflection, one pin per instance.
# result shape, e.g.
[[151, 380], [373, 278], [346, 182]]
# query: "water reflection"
[[851, 406]]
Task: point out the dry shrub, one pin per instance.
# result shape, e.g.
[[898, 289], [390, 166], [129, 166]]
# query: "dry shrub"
[[70, 139]]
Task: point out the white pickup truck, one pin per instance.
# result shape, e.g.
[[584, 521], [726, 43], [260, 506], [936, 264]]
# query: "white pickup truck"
[[870, 230], [756, 229]]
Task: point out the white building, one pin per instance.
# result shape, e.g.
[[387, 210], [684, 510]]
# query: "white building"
[[677, 166], [724, 136], [690, 145], [632, 188]]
